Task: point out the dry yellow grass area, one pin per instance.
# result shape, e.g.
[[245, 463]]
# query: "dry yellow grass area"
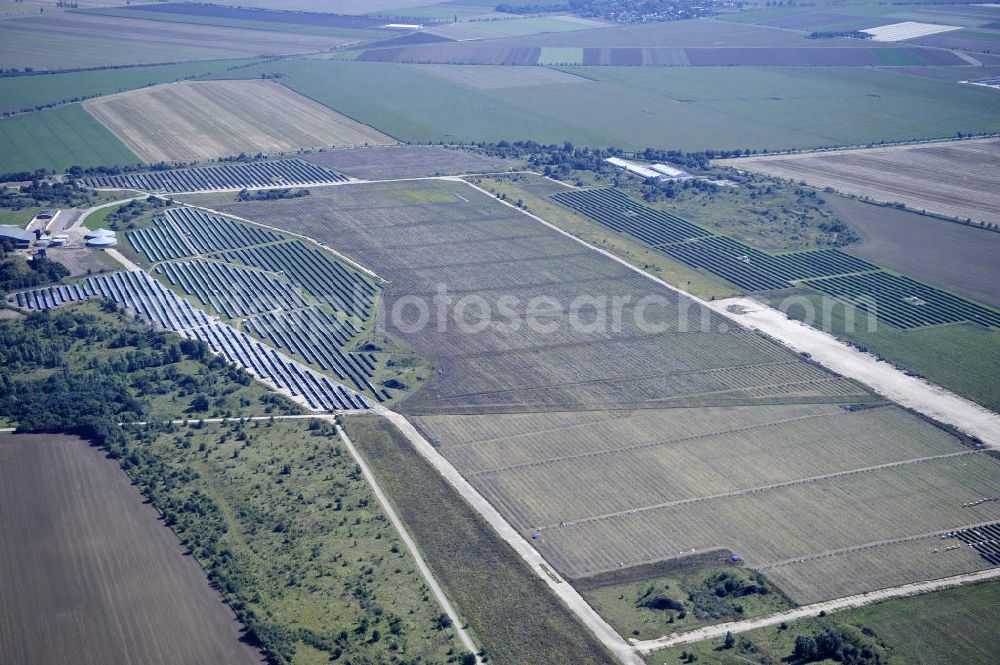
[[198, 120]]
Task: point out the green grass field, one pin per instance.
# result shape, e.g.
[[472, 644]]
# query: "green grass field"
[[310, 551], [958, 625], [26, 92], [648, 609], [510, 611], [229, 22], [56, 139], [687, 108], [17, 217]]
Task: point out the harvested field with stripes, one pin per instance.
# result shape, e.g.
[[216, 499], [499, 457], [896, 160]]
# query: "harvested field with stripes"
[[200, 120], [278, 173], [409, 161], [69, 40], [954, 178], [91, 572]]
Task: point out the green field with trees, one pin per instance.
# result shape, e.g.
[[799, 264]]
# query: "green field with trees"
[[277, 512], [957, 625], [650, 608]]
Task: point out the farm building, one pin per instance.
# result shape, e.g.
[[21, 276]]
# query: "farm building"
[[101, 238], [46, 214], [657, 171], [670, 172], [20, 238]]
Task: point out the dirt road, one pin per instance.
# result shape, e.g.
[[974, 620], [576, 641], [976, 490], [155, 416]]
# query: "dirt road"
[[883, 378], [456, 621], [597, 625]]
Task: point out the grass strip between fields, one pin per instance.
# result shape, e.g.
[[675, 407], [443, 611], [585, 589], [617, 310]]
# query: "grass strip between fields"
[[513, 616]]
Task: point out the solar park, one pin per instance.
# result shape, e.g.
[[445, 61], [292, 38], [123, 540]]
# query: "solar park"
[[138, 292], [898, 301], [277, 173], [278, 288]]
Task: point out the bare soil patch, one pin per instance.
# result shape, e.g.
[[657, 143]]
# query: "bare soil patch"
[[90, 576]]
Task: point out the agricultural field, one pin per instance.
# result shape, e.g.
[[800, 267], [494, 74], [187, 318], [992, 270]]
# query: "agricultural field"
[[571, 479], [511, 27], [82, 549], [28, 92], [955, 179], [501, 78], [839, 16], [355, 28], [777, 107], [489, 53], [599, 487], [536, 196], [195, 121], [408, 162], [75, 40], [58, 139]]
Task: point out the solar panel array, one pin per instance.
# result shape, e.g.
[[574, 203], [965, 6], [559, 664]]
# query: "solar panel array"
[[741, 264], [615, 210], [187, 231], [278, 173], [244, 271], [318, 337], [983, 539], [319, 275], [899, 301], [230, 290], [904, 302], [152, 301]]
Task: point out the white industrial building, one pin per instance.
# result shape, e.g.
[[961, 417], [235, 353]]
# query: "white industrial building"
[[656, 171]]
